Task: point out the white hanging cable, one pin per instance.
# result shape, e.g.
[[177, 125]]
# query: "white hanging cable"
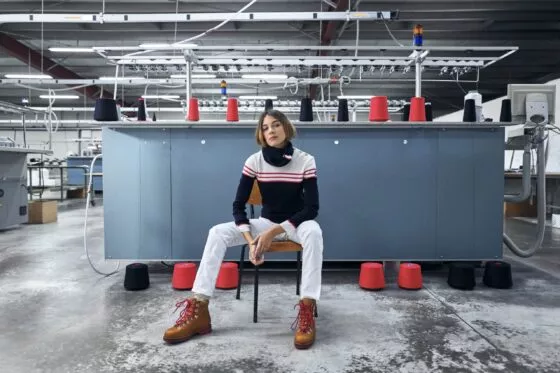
[[50, 113], [176, 13], [89, 191], [295, 83], [146, 100], [42, 31], [389, 31], [201, 34], [216, 27]]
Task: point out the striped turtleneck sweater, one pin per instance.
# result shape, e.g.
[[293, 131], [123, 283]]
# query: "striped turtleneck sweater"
[[289, 193]]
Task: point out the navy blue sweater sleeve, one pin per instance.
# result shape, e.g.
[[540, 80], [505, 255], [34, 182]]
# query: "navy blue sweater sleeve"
[[241, 197], [310, 203]]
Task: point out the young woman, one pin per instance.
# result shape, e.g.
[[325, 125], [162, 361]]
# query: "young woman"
[[287, 179]]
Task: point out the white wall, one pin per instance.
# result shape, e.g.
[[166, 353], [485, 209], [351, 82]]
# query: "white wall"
[[491, 109]]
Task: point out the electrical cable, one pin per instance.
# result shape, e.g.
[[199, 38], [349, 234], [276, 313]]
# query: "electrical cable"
[[90, 182], [218, 26], [389, 31], [201, 34]]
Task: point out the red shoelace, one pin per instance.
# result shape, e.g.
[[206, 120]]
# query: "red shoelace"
[[187, 313], [304, 319]]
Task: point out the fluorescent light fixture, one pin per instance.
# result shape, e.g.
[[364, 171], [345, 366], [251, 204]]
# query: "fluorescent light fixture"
[[62, 97], [194, 76], [168, 46], [264, 76], [120, 78], [184, 45], [258, 97], [71, 50], [27, 76], [358, 97], [168, 97], [155, 45]]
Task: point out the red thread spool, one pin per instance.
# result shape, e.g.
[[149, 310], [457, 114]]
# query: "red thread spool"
[[417, 109], [228, 276], [193, 114], [410, 276], [378, 109], [232, 114], [372, 276], [183, 276]]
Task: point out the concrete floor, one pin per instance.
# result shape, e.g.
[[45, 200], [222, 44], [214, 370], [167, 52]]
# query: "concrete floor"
[[58, 315]]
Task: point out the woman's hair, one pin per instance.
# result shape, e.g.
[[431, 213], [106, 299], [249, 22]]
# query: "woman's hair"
[[289, 128]]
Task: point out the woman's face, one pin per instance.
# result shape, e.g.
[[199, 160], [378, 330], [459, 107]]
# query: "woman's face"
[[273, 132]]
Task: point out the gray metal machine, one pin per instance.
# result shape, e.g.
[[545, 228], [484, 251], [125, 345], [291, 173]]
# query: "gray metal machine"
[[13, 173]]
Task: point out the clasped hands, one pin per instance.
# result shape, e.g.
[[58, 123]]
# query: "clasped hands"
[[261, 243]]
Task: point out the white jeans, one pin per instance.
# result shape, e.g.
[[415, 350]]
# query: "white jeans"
[[221, 236]]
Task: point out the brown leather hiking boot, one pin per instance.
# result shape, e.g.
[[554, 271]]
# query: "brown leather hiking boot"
[[194, 319], [305, 323]]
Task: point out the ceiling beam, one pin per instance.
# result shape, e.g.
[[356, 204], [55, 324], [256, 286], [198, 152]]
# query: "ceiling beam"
[[41, 63]]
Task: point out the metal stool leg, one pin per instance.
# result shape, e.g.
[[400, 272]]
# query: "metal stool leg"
[[256, 297], [298, 271], [240, 271]]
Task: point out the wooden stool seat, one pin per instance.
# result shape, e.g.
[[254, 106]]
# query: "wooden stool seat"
[[284, 246]]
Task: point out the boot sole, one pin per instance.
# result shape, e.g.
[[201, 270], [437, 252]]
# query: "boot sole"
[[303, 346], [180, 340]]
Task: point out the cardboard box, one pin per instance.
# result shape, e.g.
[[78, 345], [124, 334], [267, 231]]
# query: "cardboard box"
[[524, 209], [42, 211], [76, 193]]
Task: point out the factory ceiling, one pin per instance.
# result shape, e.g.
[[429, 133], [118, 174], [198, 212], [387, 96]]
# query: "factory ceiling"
[[26, 46]]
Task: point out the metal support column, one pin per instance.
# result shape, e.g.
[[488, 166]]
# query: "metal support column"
[[188, 84], [24, 130], [418, 77]]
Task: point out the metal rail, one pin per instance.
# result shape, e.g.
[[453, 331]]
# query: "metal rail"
[[85, 169]]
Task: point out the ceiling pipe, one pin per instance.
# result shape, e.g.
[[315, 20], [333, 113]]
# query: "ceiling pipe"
[[41, 63], [340, 14]]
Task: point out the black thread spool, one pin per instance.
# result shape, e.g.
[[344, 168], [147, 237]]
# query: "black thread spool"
[[306, 110], [105, 110], [429, 114], [268, 104], [461, 276], [469, 112], [136, 277], [497, 274], [406, 112], [505, 112], [141, 110], [343, 115]]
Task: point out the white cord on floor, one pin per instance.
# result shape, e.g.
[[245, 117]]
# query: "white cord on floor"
[[85, 222]]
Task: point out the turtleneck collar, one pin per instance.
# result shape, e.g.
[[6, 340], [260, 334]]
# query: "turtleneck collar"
[[278, 156]]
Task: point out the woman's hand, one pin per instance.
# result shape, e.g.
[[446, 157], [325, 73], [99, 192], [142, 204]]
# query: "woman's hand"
[[253, 257], [262, 243]]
